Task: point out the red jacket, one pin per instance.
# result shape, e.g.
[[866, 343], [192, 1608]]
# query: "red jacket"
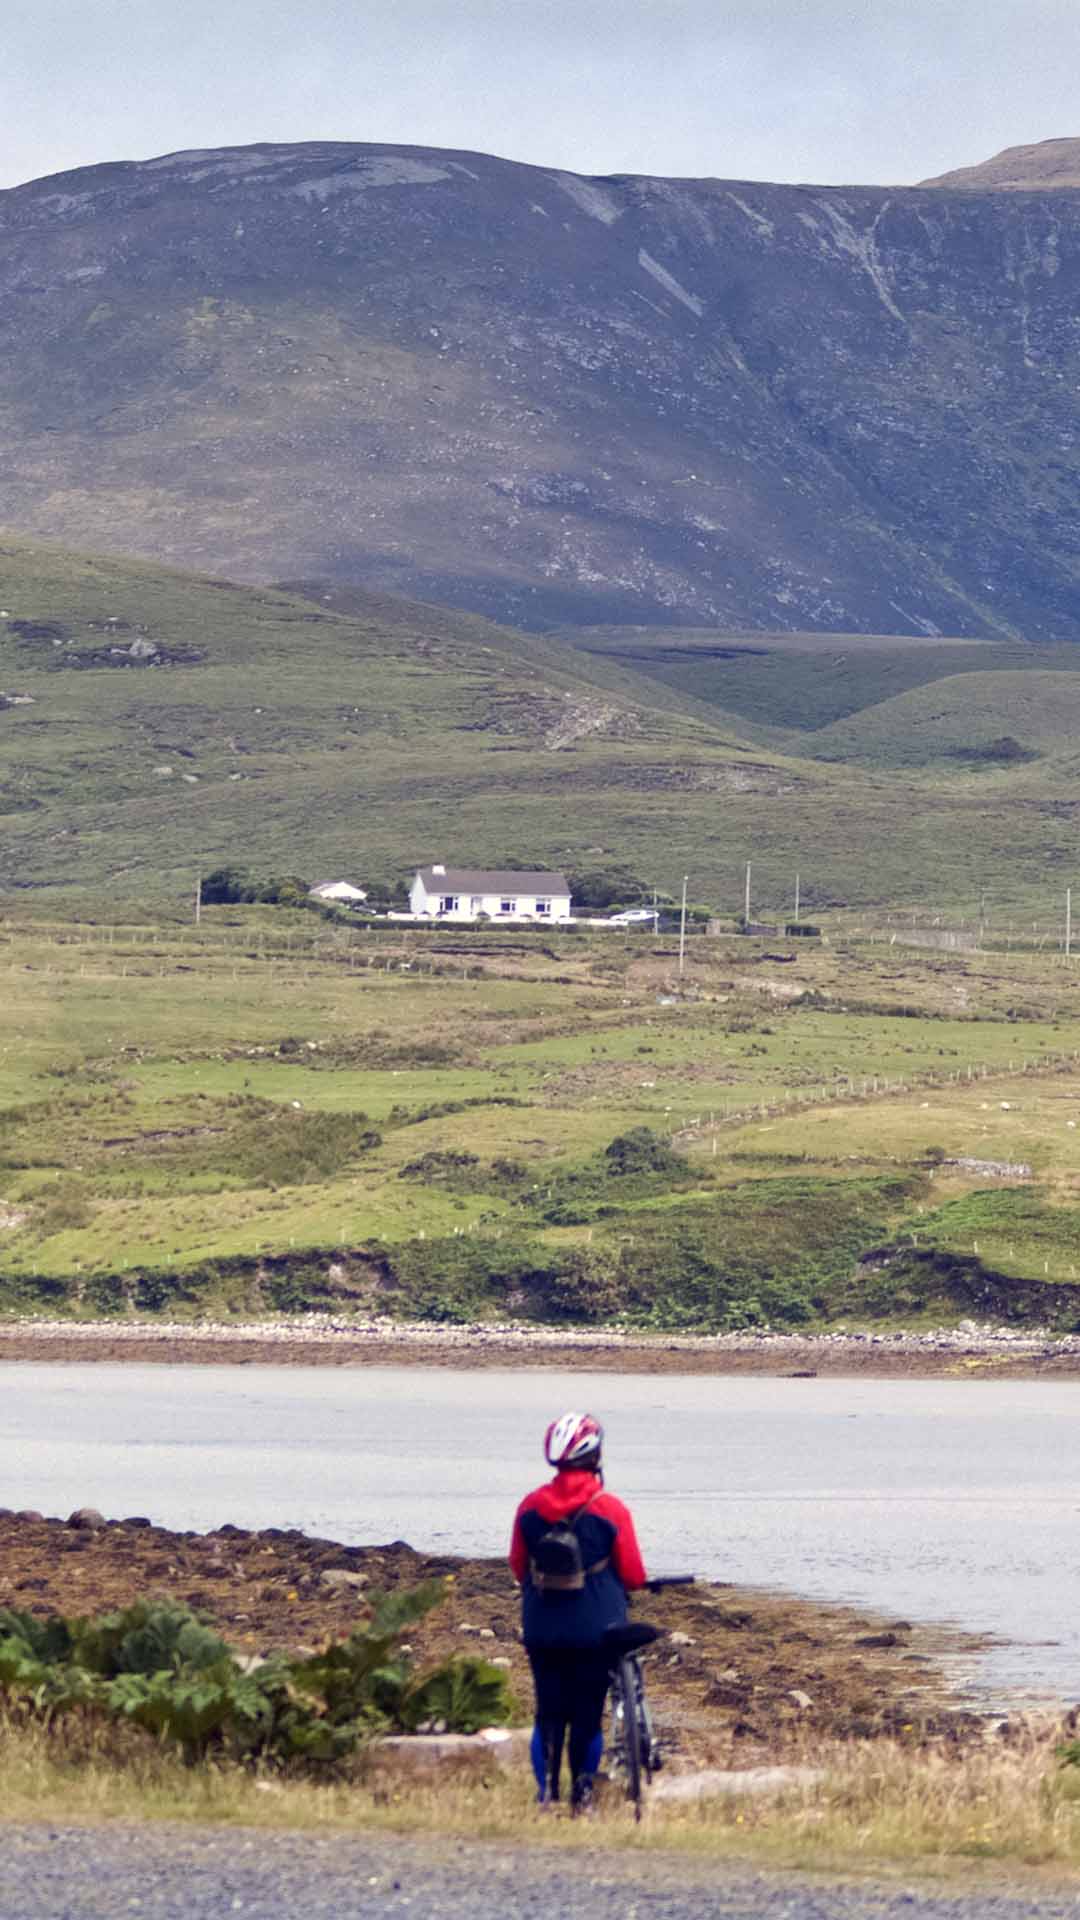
[[571, 1489]]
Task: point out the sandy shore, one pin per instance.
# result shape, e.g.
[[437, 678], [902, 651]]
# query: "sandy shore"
[[969, 1351]]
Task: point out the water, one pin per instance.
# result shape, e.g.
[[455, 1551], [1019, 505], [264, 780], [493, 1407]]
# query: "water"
[[951, 1501]]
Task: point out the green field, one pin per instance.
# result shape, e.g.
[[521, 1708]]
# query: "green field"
[[270, 1112]]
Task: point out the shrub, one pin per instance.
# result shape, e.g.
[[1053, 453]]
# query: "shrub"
[[439, 1164], [642, 1151], [156, 1665]]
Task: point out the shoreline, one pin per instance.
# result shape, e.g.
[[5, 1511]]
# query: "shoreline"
[[743, 1676], [968, 1352]]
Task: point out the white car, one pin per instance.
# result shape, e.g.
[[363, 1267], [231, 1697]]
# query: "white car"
[[634, 917]]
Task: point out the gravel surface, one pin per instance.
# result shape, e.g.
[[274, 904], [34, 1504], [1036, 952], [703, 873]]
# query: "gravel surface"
[[326, 1340], [183, 1874]]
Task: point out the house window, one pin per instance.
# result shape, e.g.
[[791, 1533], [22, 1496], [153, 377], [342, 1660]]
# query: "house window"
[[507, 906], [449, 903], [543, 906]]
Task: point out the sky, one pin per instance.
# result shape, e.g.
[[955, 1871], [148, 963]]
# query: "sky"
[[829, 91]]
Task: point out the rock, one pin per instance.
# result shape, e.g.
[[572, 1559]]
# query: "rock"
[[137, 1520], [487, 1633], [466, 1626], [721, 1783], [29, 1513], [682, 1640], [507, 1746], [87, 1517], [337, 1579], [799, 1699]]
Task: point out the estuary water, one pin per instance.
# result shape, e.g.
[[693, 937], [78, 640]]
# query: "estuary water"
[[951, 1501]]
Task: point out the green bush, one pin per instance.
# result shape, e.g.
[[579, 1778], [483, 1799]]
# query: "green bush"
[[159, 1667], [643, 1151]]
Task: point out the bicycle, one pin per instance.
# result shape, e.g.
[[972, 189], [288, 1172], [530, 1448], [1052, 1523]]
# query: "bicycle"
[[633, 1749]]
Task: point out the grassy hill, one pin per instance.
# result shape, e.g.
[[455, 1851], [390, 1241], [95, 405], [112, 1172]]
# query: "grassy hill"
[[779, 684], [992, 719], [154, 723]]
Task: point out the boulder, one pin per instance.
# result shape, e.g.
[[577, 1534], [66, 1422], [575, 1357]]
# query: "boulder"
[[86, 1517], [338, 1579]]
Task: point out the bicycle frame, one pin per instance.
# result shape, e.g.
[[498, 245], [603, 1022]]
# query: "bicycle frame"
[[633, 1751]]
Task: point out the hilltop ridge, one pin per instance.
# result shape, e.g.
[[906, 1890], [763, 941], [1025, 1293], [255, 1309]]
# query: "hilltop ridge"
[[1046, 164]]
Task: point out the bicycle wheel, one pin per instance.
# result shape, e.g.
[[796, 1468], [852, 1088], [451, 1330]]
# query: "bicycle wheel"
[[627, 1681]]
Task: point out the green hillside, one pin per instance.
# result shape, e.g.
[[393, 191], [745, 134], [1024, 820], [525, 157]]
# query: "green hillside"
[[152, 724], [992, 719], [773, 684]]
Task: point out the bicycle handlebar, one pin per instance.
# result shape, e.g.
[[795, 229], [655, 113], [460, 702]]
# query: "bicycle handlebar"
[[670, 1580]]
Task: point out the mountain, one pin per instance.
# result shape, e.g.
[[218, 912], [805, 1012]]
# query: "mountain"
[[1048, 164], [550, 399]]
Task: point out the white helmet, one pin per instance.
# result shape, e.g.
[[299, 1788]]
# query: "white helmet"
[[573, 1438]]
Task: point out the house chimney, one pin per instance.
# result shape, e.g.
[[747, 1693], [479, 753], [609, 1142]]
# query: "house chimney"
[[438, 869]]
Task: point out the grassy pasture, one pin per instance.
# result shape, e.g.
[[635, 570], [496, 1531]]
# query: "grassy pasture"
[[268, 1086]]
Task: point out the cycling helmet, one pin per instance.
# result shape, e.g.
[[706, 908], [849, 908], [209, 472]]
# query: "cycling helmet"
[[572, 1439]]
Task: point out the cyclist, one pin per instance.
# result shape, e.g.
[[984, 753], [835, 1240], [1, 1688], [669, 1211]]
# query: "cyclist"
[[575, 1553]]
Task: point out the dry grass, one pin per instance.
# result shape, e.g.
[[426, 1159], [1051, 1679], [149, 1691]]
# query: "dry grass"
[[877, 1807]]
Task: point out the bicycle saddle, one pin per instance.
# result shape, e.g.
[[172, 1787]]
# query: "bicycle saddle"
[[629, 1638]]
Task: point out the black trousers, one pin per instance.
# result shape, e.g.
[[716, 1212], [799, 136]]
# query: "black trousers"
[[571, 1687]]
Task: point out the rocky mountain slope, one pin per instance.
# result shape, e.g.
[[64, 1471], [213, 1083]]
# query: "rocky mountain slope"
[[553, 399], [1049, 163]]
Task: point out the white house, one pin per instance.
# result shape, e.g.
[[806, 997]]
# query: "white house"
[[463, 893], [337, 890]]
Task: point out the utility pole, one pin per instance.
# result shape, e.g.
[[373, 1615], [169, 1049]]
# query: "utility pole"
[[797, 899], [198, 898], [682, 927], [746, 908], [1068, 922]]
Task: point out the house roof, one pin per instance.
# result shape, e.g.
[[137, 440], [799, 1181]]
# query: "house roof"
[[473, 880]]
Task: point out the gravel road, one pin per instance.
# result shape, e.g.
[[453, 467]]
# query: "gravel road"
[[49, 1873]]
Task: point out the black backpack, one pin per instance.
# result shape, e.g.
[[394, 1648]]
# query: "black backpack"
[[556, 1564]]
